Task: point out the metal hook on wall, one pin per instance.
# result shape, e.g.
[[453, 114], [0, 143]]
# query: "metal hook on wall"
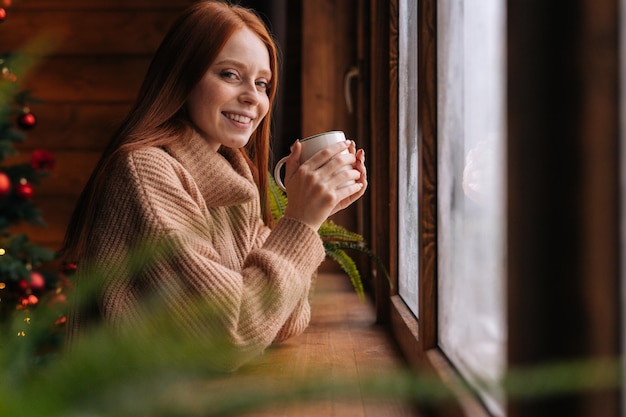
[[352, 73]]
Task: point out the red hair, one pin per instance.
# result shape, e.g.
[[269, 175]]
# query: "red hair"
[[158, 116]]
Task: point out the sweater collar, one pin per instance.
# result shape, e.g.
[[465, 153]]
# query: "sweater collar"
[[224, 177]]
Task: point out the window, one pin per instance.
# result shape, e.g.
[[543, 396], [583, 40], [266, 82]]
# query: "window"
[[470, 171], [471, 306], [518, 165], [408, 156]]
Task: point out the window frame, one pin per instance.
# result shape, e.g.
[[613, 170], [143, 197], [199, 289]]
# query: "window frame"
[[588, 285]]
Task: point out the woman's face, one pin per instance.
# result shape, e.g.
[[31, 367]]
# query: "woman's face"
[[231, 99]]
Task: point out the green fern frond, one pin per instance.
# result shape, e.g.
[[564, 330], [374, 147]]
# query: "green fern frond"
[[330, 231], [278, 199], [349, 267], [359, 247]]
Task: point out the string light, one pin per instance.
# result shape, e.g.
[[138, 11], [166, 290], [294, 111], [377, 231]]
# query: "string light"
[[8, 75]]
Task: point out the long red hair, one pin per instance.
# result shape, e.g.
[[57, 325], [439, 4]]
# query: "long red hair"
[[158, 116]]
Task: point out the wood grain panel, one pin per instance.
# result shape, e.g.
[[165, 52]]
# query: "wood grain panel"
[[382, 208], [427, 142], [392, 135], [364, 138], [87, 85], [318, 81], [341, 343], [90, 32], [65, 126], [56, 195], [88, 78], [172, 5], [326, 58], [56, 212], [405, 330]]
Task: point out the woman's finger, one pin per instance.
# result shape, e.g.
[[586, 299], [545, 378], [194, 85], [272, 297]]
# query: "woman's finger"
[[293, 160], [323, 156]]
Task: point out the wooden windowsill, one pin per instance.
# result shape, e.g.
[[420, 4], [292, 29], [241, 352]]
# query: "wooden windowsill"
[[342, 342]]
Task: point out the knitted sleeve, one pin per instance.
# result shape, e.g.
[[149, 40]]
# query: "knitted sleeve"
[[300, 317], [233, 308]]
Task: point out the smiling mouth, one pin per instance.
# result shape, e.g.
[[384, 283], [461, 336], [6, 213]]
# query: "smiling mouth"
[[238, 118]]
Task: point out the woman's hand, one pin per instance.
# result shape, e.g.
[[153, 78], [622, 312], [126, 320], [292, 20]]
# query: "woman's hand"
[[317, 188], [359, 166]]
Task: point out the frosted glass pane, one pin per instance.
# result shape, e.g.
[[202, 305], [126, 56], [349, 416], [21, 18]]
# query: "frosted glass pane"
[[408, 249], [471, 104]]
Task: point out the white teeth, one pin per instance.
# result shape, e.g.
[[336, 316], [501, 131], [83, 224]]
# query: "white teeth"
[[238, 118]]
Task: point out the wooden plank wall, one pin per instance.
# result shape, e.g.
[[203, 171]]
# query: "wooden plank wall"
[[87, 84], [327, 55]]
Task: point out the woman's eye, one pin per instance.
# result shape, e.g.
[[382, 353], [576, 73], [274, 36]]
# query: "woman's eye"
[[263, 85], [229, 74]]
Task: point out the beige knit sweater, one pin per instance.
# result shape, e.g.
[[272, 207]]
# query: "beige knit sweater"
[[225, 279]]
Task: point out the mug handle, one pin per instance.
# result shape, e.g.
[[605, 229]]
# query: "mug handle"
[[277, 168]]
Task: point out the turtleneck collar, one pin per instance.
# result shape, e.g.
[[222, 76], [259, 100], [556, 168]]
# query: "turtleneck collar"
[[224, 178]]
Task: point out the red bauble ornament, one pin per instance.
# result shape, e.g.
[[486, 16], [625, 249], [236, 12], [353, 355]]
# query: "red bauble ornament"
[[27, 120], [37, 281], [24, 190], [29, 300], [70, 267], [5, 185], [42, 159], [3, 15]]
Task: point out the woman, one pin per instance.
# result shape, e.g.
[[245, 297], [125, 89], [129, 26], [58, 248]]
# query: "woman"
[[186, 173]]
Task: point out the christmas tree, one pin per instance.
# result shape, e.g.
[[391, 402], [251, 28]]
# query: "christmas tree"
[[27, 280]]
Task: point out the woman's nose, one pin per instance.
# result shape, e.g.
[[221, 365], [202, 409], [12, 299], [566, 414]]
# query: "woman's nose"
[[249, 93]]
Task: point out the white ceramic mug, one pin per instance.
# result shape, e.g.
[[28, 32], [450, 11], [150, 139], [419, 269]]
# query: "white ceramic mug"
[[310, 146]]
